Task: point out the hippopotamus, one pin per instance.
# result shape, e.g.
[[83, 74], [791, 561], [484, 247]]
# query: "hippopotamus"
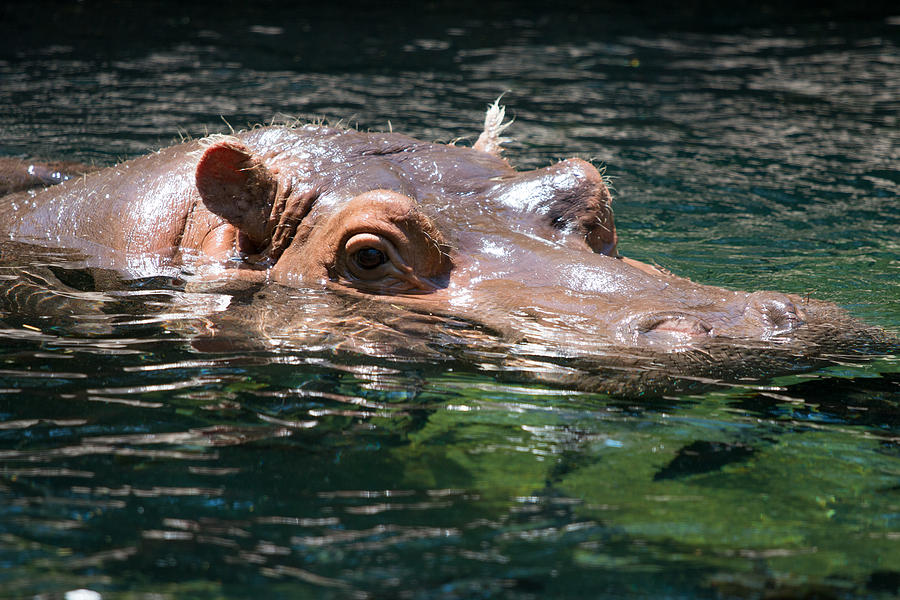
[[382, 219]]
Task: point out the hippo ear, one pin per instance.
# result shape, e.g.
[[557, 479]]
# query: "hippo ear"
[[601, 232], [237, 186]]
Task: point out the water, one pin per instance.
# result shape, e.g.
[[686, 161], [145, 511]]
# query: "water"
[[746, 152]]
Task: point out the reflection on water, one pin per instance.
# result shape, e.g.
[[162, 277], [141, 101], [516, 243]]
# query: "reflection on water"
[[139, 455]]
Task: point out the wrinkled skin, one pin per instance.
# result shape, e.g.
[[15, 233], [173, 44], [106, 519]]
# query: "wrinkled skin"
[[432, 228]]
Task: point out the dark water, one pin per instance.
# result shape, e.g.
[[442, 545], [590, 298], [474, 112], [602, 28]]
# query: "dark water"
[[748, 150]]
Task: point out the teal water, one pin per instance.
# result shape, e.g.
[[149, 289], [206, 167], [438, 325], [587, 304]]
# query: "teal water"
[[745, 152]]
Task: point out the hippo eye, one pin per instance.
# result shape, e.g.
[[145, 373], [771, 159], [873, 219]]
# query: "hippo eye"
[[370, 258]]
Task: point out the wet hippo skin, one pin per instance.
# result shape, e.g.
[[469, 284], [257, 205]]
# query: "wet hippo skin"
[[16, 174], [437, 229]]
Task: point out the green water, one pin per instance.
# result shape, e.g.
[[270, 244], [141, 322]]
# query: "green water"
[[745, 152]]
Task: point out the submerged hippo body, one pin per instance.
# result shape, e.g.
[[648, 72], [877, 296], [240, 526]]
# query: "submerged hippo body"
[[414, 226]]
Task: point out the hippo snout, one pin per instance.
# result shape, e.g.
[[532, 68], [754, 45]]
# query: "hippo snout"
[[772, 313], [761, 316]]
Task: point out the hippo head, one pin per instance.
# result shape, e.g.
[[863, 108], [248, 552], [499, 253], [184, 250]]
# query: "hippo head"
[[456, 231]]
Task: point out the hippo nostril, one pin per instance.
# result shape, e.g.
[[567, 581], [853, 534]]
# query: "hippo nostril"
[[671, 329], [674, 322], [775, 313]]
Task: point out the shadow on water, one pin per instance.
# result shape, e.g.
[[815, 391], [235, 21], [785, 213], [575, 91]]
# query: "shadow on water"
[[747, 152]]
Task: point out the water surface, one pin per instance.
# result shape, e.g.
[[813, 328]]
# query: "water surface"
[[745, 153]]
